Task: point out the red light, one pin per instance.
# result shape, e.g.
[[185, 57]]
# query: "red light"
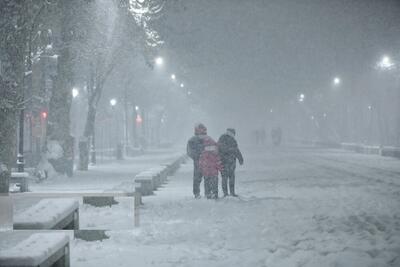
[[44, 115], [138, 119]]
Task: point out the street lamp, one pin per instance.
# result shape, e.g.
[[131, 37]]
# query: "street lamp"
[[75, 92], [137, 108], [336, 81], [385, 63], [159, 61], [182, 85], [173, 77], [301, 97], [113, 102]]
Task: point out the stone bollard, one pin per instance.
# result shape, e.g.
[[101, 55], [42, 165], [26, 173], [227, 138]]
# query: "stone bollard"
[[4, 180], [83, 155], [6, 206], [120, 151]]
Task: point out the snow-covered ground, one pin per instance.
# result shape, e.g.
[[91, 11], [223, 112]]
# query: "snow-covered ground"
[[297, 207]]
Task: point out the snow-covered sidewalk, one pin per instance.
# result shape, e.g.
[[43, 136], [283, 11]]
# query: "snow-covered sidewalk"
[[298, 207], [108, 175], [111, 176]]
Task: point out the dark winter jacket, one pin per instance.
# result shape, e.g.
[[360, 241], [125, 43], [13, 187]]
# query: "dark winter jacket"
[[195, 146], [229, 150]]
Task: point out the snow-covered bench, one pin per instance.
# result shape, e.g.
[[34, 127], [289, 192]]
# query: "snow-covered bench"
[[40, 249], [146, 183], [390, 151], [152, 178], [49, 214]]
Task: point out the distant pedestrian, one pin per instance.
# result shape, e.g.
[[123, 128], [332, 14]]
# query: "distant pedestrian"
[[194, 149], [229, 152], [276, 136], [210, 165]]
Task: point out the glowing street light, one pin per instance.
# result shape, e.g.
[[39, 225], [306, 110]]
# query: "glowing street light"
[[173, 77], [301, 97], [113, 102], [336, 81], [137, 108], [159, 61], [385, 63], [182, 85], [75, 92]]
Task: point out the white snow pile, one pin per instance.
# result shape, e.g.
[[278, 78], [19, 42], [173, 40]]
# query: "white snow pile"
[[34, 250]]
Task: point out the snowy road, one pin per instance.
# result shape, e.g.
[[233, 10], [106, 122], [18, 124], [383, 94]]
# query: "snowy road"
[[298, 207]]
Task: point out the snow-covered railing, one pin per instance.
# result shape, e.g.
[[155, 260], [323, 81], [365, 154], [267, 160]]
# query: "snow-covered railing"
[[386, 151], [39, 249]]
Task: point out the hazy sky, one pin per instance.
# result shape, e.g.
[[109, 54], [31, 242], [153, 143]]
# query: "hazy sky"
[[239, 56]]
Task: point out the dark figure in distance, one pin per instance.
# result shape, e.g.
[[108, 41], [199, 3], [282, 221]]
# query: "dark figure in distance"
[[229, 152], [276, 136], [194, 148]]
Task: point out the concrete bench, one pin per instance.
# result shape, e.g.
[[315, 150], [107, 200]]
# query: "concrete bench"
[[152, 178], [389, 151], [146, 183], [49, 214], [40, 249], [22, 179]]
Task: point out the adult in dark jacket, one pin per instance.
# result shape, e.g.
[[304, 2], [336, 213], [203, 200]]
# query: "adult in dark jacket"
[[229, 152], [194, 148]]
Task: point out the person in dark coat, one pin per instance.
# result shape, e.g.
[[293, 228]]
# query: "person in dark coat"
[[194, 148], [229, 152]]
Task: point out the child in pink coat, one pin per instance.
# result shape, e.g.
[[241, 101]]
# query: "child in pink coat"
[[210, 164]]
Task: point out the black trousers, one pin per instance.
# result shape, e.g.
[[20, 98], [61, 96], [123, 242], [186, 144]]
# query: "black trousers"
[[211, 186], [197, 177], [228, 174]]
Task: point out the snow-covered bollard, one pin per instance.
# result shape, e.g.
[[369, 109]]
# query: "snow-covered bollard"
[[4, 179], [40, 249], [20, 178]]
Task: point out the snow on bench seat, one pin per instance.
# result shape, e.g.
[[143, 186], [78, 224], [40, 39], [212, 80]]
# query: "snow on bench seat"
[[36, 250], [47, 214]]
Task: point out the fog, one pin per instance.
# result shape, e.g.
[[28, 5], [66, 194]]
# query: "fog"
[[243, 58], [200, 133]]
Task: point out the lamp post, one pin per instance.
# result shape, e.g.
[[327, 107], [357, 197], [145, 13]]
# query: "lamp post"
[[386, 64], [20, 156]]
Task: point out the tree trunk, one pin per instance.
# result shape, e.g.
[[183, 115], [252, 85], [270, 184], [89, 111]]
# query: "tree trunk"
[[12, 51], [59, 143]]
